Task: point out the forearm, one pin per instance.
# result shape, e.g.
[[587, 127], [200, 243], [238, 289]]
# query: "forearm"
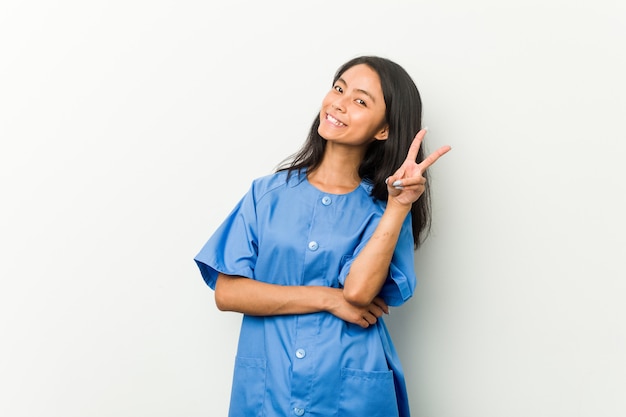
[[370, 269], [258, 298]]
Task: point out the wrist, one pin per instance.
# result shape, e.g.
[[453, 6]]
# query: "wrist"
[[393, 205], [328, 298]]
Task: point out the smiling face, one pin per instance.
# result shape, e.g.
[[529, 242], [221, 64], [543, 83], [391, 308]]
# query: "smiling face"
[[353, 111]]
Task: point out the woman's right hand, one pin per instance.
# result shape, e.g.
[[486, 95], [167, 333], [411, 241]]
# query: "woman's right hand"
[[362, 316]]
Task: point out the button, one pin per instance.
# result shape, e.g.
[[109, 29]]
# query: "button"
[[300, 353], [326, 200], [298, 411], [313, 245]]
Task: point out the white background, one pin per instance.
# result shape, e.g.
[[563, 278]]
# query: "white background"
[[129, 129]]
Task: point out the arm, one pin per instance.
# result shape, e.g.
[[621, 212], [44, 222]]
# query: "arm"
[[371, 267], [258, 298]]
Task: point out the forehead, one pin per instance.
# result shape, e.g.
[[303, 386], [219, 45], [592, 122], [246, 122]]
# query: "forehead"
[[362, 77]]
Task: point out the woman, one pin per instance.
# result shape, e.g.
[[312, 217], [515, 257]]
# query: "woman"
[[315, 253]]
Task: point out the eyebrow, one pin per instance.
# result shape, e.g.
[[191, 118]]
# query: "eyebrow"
[[359, 90]]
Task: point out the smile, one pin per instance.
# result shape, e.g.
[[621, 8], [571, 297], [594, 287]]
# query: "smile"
[[333, 120]]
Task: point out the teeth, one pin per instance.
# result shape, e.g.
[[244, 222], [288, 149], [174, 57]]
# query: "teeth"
[[333, 120]]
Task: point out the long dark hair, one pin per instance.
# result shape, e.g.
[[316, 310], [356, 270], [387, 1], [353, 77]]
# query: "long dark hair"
[[383, 157]]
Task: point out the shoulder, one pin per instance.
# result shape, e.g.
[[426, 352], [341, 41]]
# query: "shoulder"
[[275, 182]]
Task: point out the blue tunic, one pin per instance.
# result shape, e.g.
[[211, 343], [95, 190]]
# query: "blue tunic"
[[285, 231]]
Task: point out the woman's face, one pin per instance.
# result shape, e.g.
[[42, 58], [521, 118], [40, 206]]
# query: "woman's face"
[[353, 111]]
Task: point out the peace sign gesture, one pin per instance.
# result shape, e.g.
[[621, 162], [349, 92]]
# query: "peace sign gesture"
[[407, 184]]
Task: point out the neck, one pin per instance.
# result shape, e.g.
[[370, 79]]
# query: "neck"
[[338, 172]]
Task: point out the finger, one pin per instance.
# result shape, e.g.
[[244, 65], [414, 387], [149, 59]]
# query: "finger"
[[375, 310], [415, 146], [411, 183], [382, 304], [370, 318], [417, 180], [393, 183], [395, 176], [433, 157]]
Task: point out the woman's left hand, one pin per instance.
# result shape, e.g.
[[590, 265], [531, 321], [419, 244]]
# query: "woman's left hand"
[[407, 184]]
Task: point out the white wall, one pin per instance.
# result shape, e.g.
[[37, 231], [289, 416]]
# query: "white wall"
[[129, 129]]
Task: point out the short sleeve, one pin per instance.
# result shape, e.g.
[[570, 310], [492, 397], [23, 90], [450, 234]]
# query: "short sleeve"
[[401, 281], [232, 249]]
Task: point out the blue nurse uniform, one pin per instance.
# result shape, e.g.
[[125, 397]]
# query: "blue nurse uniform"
[[285, 231]]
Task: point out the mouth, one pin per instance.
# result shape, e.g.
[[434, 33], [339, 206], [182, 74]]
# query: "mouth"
[[334, 121]]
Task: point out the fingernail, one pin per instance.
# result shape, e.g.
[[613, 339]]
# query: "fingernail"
[[387, 180], [397, 183], [426, 128]]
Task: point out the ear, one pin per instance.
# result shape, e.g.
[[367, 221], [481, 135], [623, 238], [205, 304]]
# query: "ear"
[[383, 133]]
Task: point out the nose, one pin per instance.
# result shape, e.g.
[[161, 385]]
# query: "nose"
[[339, 104]]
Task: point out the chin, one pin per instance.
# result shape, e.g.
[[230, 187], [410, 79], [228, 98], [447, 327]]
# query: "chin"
[[324, 135]]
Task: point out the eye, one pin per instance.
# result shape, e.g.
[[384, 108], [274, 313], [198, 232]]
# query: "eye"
[[338, 88], [361, 102]]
